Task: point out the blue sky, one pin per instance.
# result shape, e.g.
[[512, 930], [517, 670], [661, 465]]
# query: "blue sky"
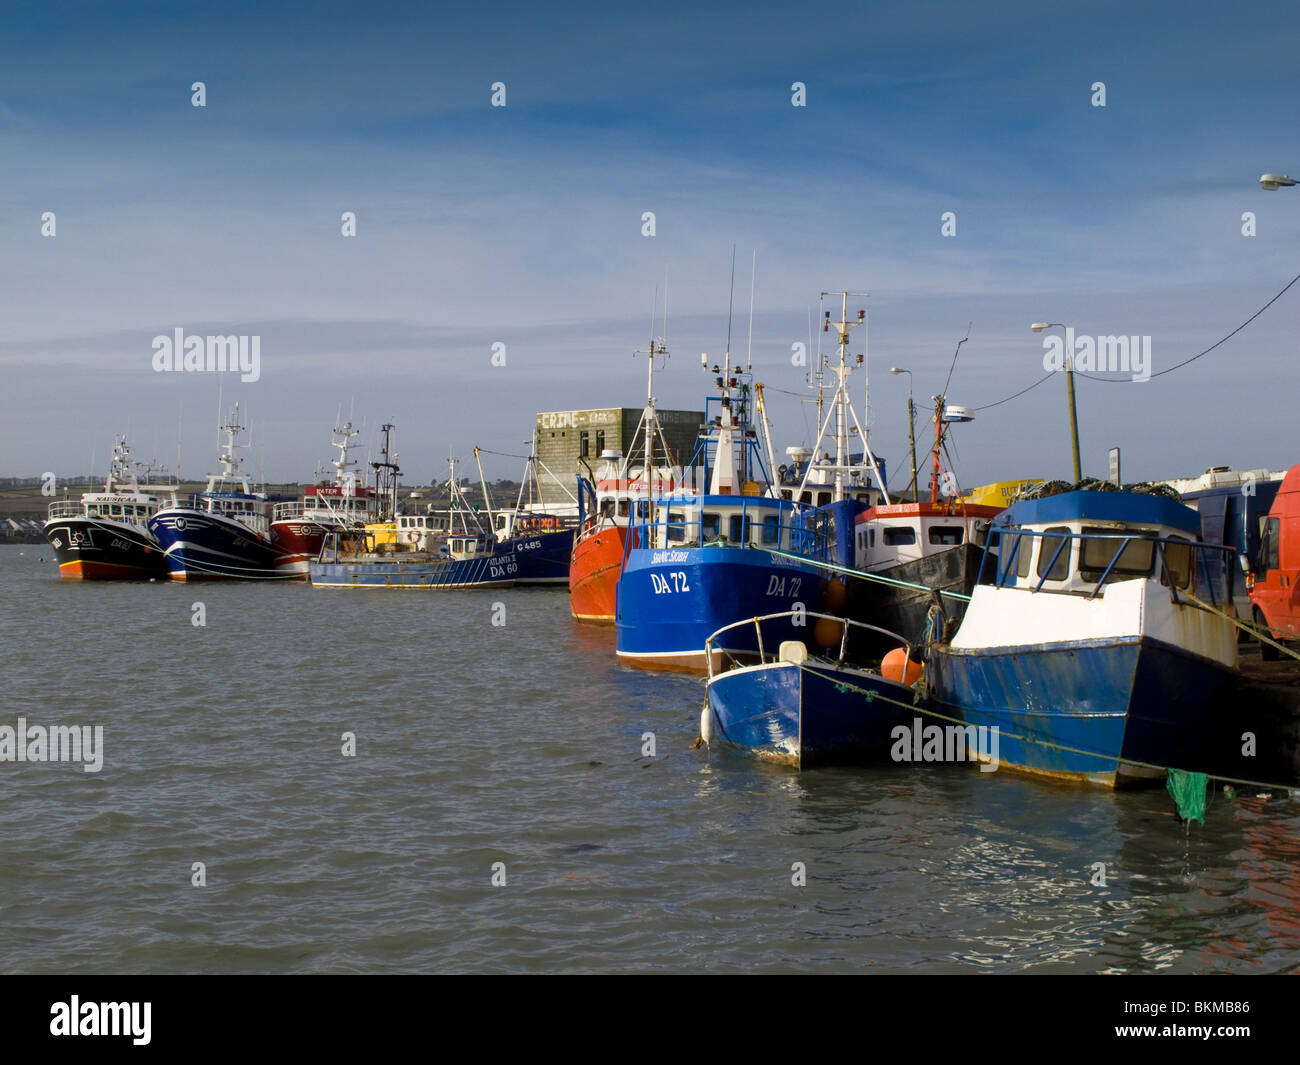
[[522, 225]]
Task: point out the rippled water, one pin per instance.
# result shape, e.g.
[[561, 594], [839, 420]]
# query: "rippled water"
[[521, 744]]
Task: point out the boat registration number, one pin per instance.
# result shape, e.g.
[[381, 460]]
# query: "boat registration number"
[[670, 582]]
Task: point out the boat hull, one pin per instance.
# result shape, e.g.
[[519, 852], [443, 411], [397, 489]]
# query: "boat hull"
[[1102, 711], [814, 714], [542, 558], [670, 602], [593, 574], [97, 550], [201, 546], [297, 544], [431, 574]]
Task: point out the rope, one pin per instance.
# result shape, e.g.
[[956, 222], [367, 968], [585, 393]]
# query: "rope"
[[871, 696], [874, 576], [1249, 627]]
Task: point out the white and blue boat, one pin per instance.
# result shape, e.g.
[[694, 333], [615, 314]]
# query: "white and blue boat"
[[1089, 651], [802, 709], [223, 532]]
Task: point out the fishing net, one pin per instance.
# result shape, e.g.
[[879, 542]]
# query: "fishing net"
[[1188, 791]]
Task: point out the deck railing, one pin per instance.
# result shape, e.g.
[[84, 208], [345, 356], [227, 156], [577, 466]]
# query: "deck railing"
[[712, 649], [1208, 570], [759, 522]]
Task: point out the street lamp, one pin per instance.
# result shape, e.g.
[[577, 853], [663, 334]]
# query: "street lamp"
[[1038, 327], [1273, 182], [911, 425]]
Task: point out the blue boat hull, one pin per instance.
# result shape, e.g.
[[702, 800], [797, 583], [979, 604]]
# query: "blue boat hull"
[[488, 571], [1088, 710], [814, 715], [668, 603], [542, 558], [199, 546]]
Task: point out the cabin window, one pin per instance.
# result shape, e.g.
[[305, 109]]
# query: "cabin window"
[[709, 527], [1023, 546], [947, 535], [607, 508], [676, 530], [1047, 547], [1178, 562], [771, 530], [787, 493], [871, 538], [115, 510], [736, 530], [899, 536], [623, 508], [823, 498], [1132, 559], [805, 497]]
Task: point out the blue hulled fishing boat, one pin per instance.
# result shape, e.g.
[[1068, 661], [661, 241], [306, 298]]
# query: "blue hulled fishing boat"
[[223, 532], [347, 560], [800, 709], [1090, 651]]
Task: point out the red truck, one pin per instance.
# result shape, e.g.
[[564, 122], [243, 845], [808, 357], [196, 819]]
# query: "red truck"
[[1275, 595]]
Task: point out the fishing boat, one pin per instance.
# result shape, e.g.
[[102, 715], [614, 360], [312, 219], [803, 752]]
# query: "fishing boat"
[[223, 532], [1091, 650], [105, 535], [539, 535], [351, 560], [414, 551], [298, 528], [803, 708], [605, 506], [697, 560]]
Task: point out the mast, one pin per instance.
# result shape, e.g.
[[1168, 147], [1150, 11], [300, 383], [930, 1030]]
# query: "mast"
[[386, 474], [487, 500], [841, 404]]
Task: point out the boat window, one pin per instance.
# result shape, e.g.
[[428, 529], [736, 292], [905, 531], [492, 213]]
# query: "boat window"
[[1134, 558], [899, 536], [735, 531], [623, 508], [676, 530], [709, 527], [787, 493], [805, 497], [948, 535], [871, 537], [1178, 561], [607, 508], [771, 530], [115, 510], [1047, 550], [823, 498], [1024, 548]]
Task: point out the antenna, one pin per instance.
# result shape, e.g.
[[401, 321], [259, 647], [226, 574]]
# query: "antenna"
[[731, 300], [749, 351]]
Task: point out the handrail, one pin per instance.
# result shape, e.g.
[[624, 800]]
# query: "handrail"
[[1007, 568], [709, 649]]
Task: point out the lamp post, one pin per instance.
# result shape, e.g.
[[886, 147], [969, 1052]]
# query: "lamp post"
[[911, 425], [1273, 182], [1038, 327]]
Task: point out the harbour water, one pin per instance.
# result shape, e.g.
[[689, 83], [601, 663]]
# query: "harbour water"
[[521, 743]]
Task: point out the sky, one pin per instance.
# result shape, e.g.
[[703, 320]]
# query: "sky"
[[480, 225]]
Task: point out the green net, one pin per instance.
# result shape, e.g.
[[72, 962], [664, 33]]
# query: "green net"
[[1188, 790]]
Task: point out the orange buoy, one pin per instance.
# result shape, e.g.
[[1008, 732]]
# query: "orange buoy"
[[828, 632], [898, 667], [837, 594]]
